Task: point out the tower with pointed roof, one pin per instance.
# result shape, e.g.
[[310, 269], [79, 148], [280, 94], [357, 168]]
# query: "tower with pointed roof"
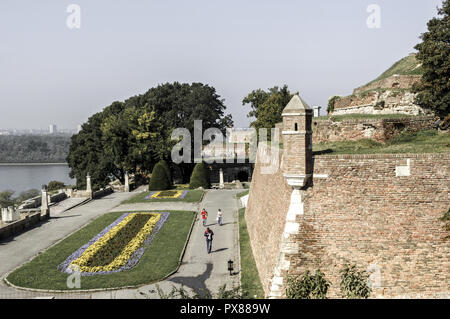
[[297, 141]]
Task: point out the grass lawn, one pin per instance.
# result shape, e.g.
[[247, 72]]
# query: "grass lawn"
[[159, 260], [429, 141], [250, 283], [193, 196], [242, 194]]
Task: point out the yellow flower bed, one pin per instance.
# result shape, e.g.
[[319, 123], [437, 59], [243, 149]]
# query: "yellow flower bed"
[[176, 194], [125, 255]]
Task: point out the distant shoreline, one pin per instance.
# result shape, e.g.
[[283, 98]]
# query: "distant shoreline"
[[33, 164]]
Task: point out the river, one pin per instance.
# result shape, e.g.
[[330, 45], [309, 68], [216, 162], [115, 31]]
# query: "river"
[[21, 177]]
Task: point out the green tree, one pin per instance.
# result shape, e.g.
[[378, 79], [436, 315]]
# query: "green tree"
[[55, 185], [159, 180], [307, 286], [86, 155], [267, 107], [200, 177], [354, 283], [23, 196], [6, 199], [135, 134], [434, 54]]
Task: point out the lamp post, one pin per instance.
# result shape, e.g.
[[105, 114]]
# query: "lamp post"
[[230, 266]]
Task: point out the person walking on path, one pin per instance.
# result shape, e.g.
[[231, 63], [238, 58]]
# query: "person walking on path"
[[204, 216], [219, 217], [209, 238]]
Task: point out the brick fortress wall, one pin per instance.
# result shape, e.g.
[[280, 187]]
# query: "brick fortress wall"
[[363, 214], [378, 130]]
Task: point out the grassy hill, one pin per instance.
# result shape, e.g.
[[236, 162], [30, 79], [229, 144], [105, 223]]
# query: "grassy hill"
[[406, 66]]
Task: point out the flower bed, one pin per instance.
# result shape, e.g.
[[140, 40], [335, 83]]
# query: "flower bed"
[[174, 194], [118, 247]]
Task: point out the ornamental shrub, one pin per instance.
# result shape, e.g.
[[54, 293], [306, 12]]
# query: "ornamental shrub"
[[159, 180], [200, 177], [354, 284], [167, 170], [308, 286], [55, 185]]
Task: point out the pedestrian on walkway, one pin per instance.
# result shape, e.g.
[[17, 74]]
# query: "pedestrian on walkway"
[[209, 238], [219, 217], [204, 216]]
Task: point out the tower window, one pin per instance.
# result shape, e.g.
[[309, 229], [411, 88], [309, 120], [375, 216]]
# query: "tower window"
[[296, 127]]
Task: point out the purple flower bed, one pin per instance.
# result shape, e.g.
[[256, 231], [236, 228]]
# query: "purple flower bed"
[[148, 197], [135, 257]]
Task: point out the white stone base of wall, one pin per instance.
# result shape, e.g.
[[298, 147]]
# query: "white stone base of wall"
[[288, 245], [370, 109]]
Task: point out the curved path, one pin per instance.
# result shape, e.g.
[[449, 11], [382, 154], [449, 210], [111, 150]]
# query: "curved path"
[[200, 272]]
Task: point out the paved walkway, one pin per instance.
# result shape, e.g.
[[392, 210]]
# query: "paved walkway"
[[66, 205], [19, 249], [199, 271]]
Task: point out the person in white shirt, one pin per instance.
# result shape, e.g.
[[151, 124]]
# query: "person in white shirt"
[[219, 217]]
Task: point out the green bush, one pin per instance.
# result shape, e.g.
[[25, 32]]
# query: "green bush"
[[308, 286], [331, 103], [354, 283], [167, 170], [55, 185], [200, 177], [159, 180]]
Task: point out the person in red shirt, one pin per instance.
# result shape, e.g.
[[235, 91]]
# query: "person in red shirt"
[[204, 216]]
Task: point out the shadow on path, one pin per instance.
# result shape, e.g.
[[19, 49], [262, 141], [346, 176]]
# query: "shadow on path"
[[59, 217], [196, 283], [217, 250]]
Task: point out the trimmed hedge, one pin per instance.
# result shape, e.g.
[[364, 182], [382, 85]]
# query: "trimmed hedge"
[[200, 177], [167, 169], [159, 180]]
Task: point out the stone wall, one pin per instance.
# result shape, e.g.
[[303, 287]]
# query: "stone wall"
[[11, 229], [378, 130], [266, 210], [388, 96], [359, 211], [392, 82], [354, 101]]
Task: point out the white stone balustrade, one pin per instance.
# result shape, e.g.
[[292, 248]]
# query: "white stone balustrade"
[[10, 215]]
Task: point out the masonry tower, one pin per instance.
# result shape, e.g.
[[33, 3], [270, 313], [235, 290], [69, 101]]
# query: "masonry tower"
[[297, 141]]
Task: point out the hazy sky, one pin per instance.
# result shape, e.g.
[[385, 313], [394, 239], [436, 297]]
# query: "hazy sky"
[[50, 73]]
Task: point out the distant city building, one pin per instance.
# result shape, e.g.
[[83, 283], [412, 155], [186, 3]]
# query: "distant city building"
[[53, 129], [78, 128], [5, 132]]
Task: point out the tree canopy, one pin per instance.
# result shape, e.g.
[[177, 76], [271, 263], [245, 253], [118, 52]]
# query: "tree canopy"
[[434, 54], [135, 134], [267, 106], [34, 149]]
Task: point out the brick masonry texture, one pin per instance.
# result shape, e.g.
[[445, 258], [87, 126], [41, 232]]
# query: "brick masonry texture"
[[392, 82], [266, 211], [378, 130], [360, 214]]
